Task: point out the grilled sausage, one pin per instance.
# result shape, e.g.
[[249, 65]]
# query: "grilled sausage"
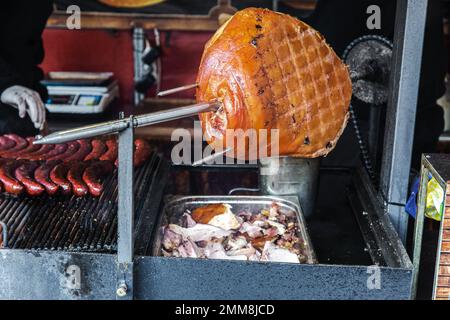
[[84, 149], [30, 148], [24, 174], [42, 175], [111, 154], [56, 151], [98, 149], [58, 175], [21, 143], [72, 147], [2, 162], [6, 143], [74, 175], [141, 152], [93, 174], [10, 183], [39, 154]]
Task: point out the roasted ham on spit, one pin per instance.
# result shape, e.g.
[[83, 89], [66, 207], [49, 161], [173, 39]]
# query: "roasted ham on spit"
[[272, 71]]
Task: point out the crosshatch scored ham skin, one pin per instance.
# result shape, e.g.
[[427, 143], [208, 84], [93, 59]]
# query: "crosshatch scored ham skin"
[[272, 71]]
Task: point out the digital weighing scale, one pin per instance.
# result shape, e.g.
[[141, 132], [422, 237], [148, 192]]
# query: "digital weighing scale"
[[81, 93]]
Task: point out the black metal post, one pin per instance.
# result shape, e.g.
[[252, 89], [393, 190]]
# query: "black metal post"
[[374, 133]]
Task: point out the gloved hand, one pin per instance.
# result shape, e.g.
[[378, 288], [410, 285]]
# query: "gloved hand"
[[26, 101]]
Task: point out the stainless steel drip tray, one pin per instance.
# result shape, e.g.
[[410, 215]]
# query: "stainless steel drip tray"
[[189, 278], [178, 205]]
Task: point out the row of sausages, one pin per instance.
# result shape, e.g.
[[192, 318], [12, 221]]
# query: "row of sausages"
[[76, 167]]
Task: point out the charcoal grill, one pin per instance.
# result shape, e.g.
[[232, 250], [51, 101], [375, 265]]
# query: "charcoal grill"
[[71, 223]]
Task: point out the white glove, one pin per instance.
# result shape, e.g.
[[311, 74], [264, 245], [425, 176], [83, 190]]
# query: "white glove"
[[26, 101]]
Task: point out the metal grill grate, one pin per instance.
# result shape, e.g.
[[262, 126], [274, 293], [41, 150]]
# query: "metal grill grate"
[[68, 222]]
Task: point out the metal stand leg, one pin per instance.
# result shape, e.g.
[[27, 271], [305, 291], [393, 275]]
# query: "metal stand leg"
[[418, 228], [125, 241], [401, 109]]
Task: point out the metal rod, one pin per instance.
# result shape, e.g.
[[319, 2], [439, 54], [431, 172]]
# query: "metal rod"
[[401, 109], [125, 213], [175, 90], [175, 113], [121, 124], [242, 189], [83, 132], [211, 157]]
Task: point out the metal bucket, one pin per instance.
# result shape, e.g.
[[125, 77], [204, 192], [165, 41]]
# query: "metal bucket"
[[289, 176]]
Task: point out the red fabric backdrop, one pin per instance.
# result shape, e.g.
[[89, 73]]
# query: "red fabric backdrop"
[[97, 50]]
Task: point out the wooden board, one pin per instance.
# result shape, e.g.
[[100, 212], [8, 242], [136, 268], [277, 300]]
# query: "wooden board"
[[163, 15], [111, 21], [442, 277], [147, 7]]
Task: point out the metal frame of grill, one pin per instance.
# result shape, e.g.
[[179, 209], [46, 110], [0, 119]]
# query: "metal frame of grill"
[[31, 274], [45, 274], [131, 274]]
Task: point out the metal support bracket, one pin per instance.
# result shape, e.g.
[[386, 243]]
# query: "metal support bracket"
[[4, 234], [125, 241], [401, 109], [125, 129], [418, 227]]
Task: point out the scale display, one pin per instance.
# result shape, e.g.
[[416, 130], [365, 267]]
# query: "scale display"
[[61, 99], [78, 103], [88, 100], [81, 100]]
